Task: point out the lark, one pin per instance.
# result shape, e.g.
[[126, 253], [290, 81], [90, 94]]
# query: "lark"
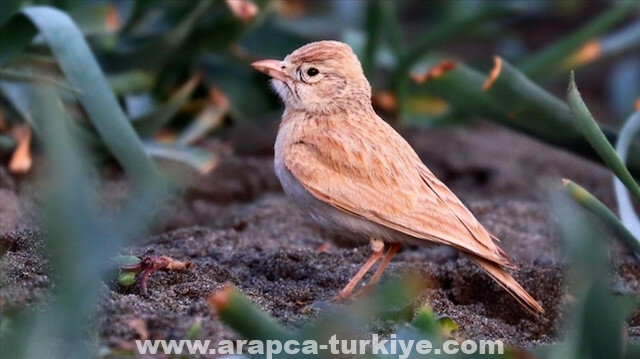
[[355, 175]]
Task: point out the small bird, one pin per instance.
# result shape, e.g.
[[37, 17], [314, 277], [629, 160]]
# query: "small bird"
[[356, 176]]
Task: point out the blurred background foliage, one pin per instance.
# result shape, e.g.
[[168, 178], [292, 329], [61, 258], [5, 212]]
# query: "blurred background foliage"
[[180, 69], [133, 81]]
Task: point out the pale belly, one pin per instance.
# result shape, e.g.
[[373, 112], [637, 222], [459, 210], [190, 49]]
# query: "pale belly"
[[348, 227]]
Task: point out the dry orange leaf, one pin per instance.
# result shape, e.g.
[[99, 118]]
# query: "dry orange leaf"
[[140, 326], [218, 98], [291, 8], [244, 10], [220, 299], [113, 19], [386, 101], [494, 74], [21, 160], [434, 72], [587, 53]]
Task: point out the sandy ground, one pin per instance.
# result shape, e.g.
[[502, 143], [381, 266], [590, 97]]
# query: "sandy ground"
[[237, 227]]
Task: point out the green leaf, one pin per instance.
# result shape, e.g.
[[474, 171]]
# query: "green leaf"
[[236, 311], [15, 35], [447, 325], [149, 124], [270, 39], [131, 81], [210, 118], [373, 30], [78, 249], [515, 101], [19, 95], [83, 73], [597, 318], [127, 279], [547, 62], [7, 8], [590, 202], [598, 140], [27, 76], [162, 46], [426, 321], [95, 18], [194, 330], [240, 83], [530, 107], [444, 32], [126, 260], [625, 206], [199, 159]]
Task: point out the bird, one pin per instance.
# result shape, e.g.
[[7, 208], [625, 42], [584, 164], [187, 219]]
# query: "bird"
[[354, 175]]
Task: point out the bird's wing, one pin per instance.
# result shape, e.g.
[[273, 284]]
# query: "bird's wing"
[[380, 177]]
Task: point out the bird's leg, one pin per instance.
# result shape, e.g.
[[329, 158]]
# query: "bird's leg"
[[393, 249], [377, 248]]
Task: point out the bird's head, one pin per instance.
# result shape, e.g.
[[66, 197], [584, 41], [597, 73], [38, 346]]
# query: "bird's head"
[[320, 77]]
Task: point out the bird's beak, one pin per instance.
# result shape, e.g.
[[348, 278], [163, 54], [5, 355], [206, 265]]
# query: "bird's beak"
[[271, 68]]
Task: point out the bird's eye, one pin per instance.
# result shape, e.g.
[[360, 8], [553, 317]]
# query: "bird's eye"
[[312, 71]]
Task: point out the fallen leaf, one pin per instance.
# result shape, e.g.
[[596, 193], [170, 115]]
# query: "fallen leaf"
[[494, 74], [587, 53], [386, 101], [21, 160], [434, 72], [140, 326], [245, 10]]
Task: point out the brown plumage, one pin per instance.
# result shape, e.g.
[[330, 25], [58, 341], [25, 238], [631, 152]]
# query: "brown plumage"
[[354, 174]]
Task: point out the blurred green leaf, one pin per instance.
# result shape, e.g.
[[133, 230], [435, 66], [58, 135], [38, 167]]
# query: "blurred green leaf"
[[530, 106], [548, 62], [373, 19], [150, 123], [426, 321], [127, 279], [625, 206], [96, 18], [199, 159], [391, 24], [194, 330], [15, 35], [7, 142], [624, 85], [131, 81], [126, 260], [240, 83], [75, 243], [269, 39], [211, 117], [447, 325], [19, 93], [588, 201], [599, 317], [133, 52], [515, 101], [24, 76], [83, 73], [245, 318], [442, 33], [7, 8]]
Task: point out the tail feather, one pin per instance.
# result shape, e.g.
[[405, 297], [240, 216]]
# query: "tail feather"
[[509, 284]]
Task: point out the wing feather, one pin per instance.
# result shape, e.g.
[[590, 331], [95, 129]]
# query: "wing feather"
[[381, 178]]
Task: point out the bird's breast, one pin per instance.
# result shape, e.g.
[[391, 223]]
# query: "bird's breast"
[[347, 226]]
